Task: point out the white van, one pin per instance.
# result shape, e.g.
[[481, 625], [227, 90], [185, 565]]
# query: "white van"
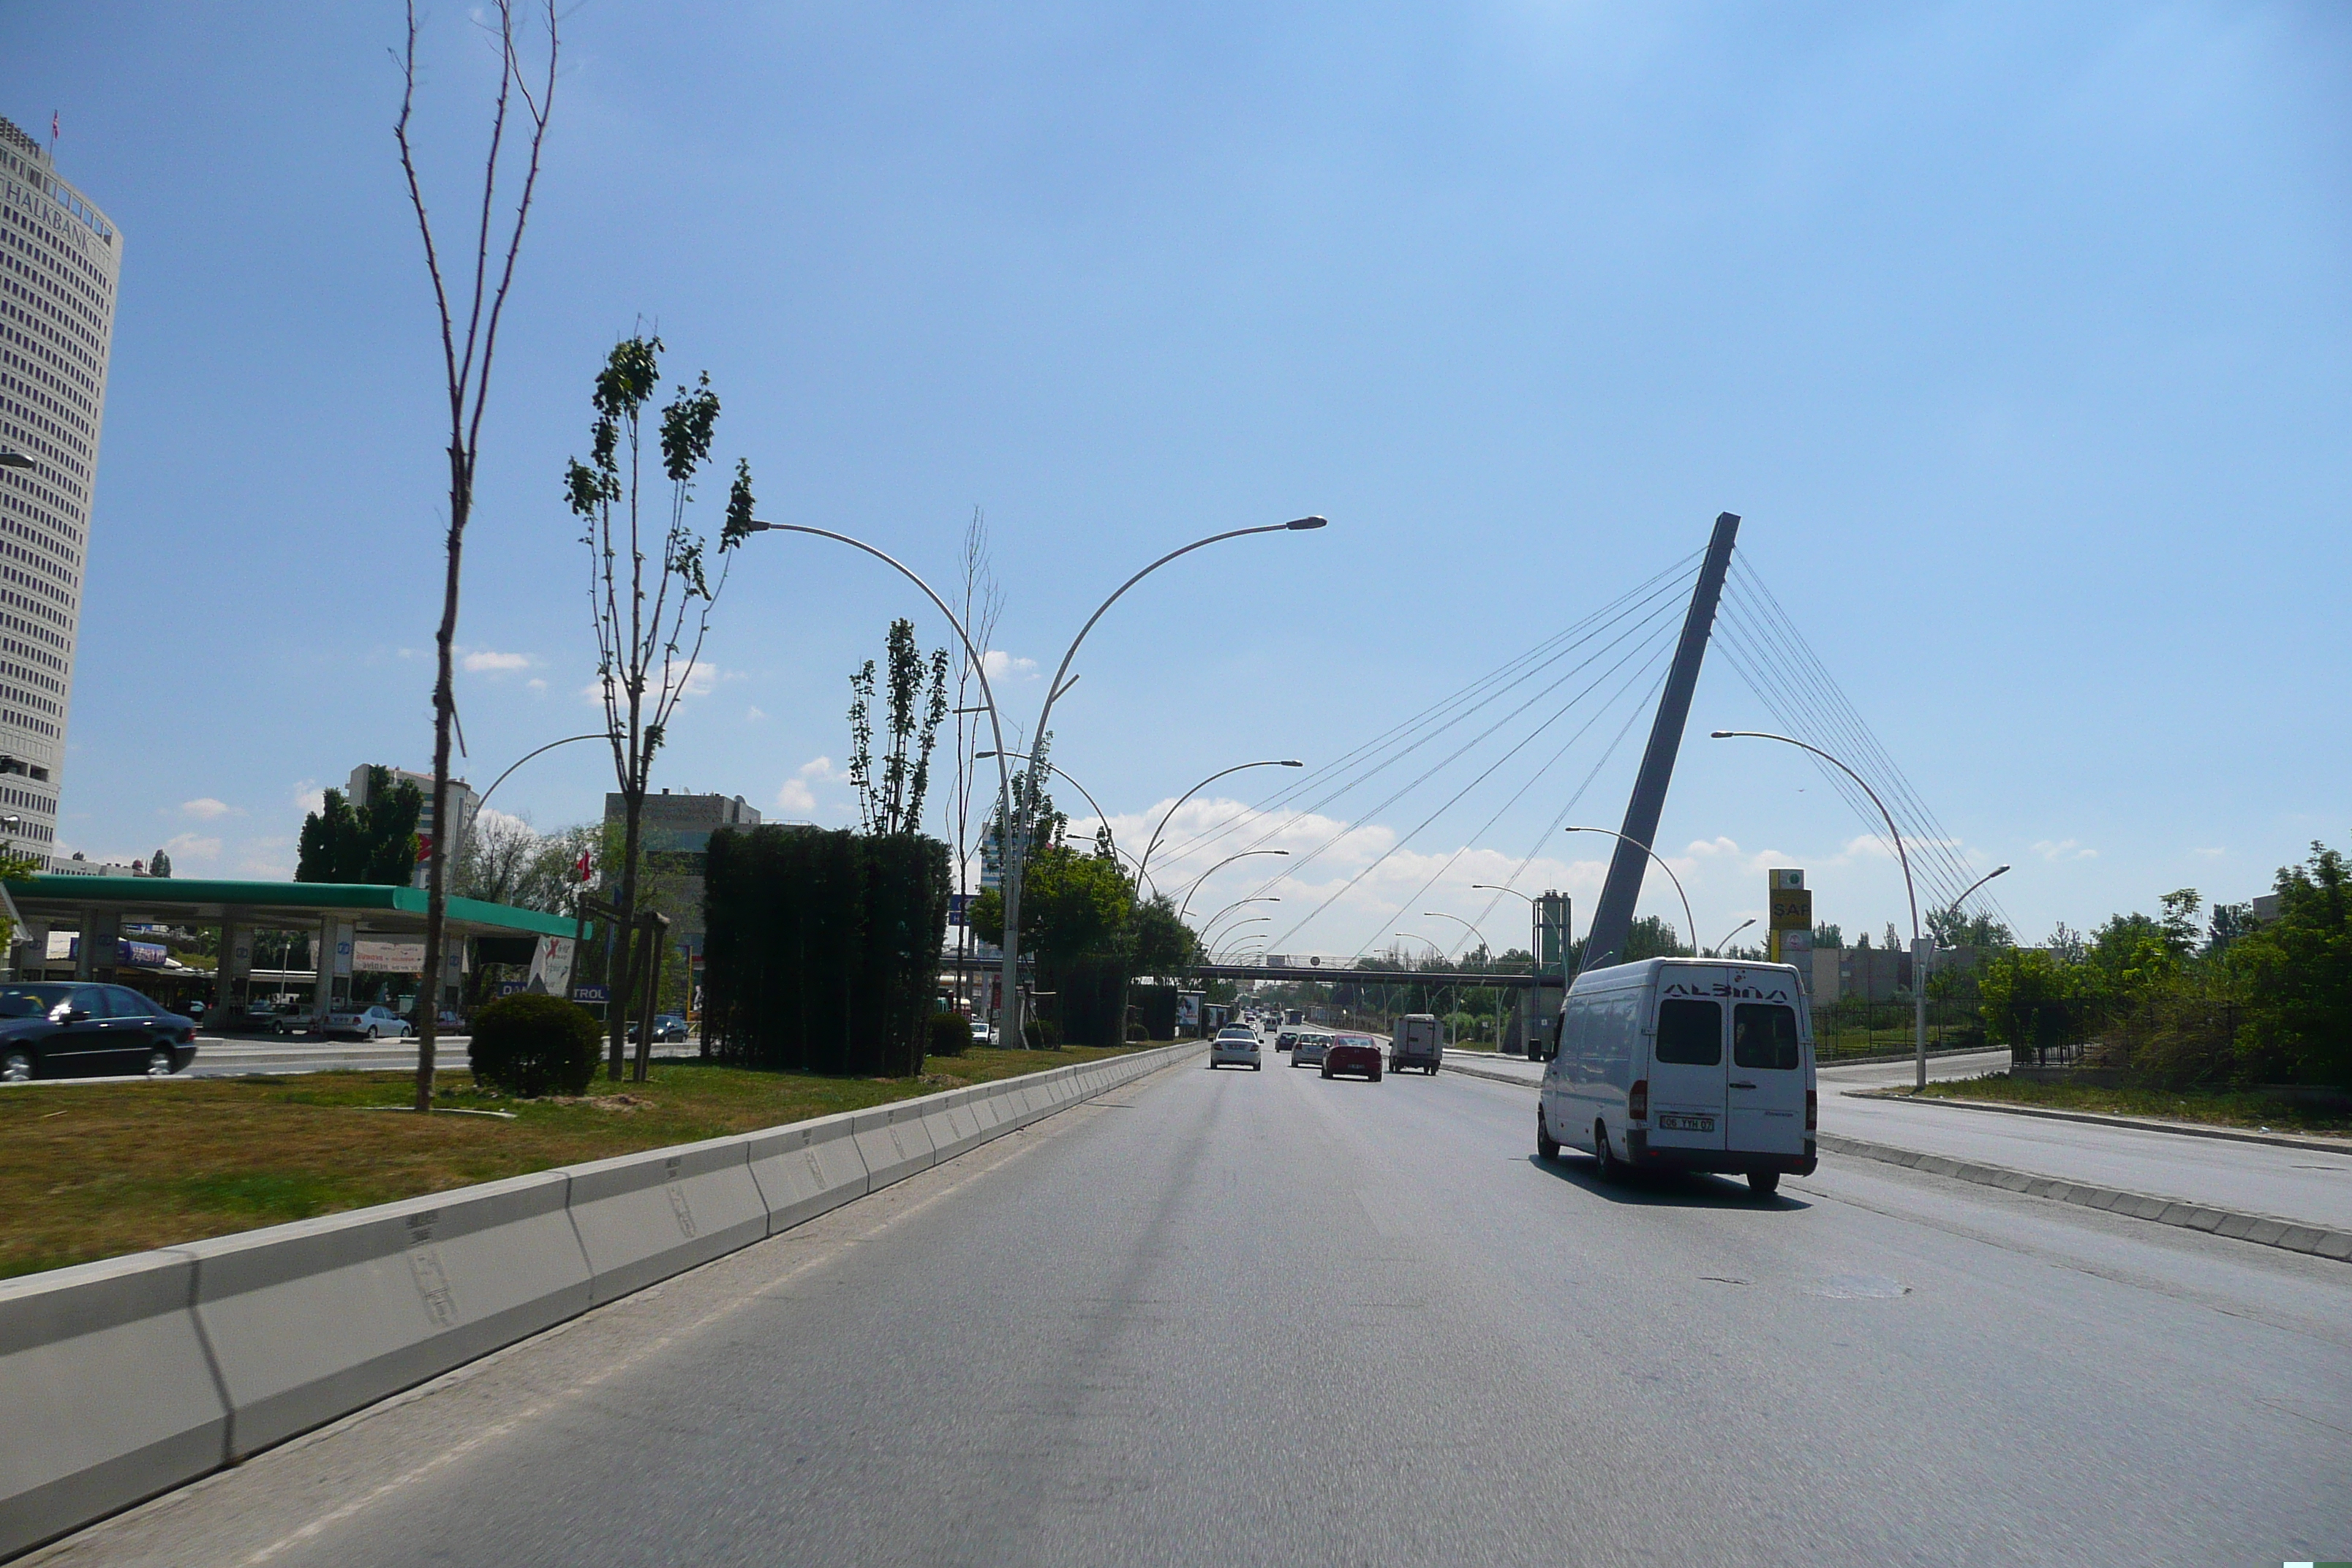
[[1419, 1042], [1685, 1063]]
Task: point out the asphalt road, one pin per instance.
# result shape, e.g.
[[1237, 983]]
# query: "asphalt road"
[[1233, 1317]]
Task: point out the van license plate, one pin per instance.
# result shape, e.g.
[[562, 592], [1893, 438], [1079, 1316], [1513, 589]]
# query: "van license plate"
[[1669, 1121]]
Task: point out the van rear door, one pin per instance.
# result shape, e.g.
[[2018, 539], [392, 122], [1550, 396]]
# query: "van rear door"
[[1687, 1075], [1768, 1080]]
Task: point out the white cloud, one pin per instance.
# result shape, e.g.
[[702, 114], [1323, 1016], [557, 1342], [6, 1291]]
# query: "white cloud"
[[796, 796], [192, 846], [1000, 663], [2064, 849], [753, 714], [2210, 854], [489, 661], [535, 684], [204, 808], [308, 796]]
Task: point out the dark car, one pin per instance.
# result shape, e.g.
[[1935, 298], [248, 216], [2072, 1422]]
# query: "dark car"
[[1353, 1054], [78, 1030]]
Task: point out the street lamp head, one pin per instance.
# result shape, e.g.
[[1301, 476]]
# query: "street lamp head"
[[1299, 524], [1718, 734], [1299, 765], [1997, 870], [13, 459]]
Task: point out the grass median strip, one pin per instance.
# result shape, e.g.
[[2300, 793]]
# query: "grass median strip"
[[2250, 1108], [114, 1168]]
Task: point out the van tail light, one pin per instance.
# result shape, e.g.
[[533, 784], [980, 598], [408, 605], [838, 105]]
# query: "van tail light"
[[1812, 1109], [1637, 1102]]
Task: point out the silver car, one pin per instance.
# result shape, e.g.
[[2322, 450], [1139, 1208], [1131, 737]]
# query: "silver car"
[[1309, 1052]]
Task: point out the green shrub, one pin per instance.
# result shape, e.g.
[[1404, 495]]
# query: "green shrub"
[[951, 1034], [529, 1045], [1042, 1033]]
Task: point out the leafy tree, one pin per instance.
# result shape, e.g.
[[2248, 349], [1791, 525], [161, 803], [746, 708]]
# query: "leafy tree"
[[894, 804], [1827, 935], [374, 843], [647, 579], [1652, 937], [2295, 974], [2030, 999], [158, 864], [2230, 921], [1953, 929]]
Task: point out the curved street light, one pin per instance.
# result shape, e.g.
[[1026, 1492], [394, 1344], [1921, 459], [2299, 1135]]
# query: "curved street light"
[[1690, 921], [1465, 925], [1171, 812], [1735, 930], [1213, 870], [1210, 924], [482, 801], [1972, 887], [1919, 987], [1535, 959]]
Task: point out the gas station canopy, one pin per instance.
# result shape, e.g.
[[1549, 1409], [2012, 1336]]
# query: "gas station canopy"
[[298, 906]]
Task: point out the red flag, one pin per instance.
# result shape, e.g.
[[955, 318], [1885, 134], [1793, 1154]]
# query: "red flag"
[[582, 867]]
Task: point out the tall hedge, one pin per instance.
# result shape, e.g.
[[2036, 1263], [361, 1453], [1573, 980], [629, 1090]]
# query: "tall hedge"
[[821, 951]]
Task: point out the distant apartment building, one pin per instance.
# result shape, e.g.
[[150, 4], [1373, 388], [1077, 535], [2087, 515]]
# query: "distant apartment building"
[[61, 259], [463, 805], [677, 830]]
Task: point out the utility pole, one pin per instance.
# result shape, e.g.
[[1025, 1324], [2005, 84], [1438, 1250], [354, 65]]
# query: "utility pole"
[[1613, 917]]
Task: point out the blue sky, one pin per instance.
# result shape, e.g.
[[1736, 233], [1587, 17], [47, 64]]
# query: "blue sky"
[[2016, 334]]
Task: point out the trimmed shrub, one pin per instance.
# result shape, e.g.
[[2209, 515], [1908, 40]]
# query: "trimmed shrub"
[[529, 1045], [1043, 1034], [951, 1034], [822, 951]]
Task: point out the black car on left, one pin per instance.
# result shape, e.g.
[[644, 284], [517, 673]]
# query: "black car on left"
[[79, 1029]]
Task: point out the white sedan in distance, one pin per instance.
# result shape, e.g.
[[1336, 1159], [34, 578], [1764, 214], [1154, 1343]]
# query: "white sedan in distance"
[[1309, 1052], [367, 1023], [1236, 1043]]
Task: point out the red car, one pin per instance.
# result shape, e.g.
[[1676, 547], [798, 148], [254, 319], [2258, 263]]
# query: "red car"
[[1353, 1053]]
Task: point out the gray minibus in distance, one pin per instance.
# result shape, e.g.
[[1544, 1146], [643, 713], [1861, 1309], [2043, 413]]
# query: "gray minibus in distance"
[[1685, 1063]]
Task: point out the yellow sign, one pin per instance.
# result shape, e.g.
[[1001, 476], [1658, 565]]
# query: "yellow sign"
[[1792, 908]]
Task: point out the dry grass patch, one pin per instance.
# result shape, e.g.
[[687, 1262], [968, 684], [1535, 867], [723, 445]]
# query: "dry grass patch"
[[103, 1169]]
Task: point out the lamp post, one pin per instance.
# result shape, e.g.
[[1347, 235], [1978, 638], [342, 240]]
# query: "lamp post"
[[1474, 931], [482, 801], [1972, 887], [1171, 812], [1735, 930], [1919, 987], [1535, 958], [1235, 929], [1689, 921], [1010, 981], [1213, 870], [1207, 924]]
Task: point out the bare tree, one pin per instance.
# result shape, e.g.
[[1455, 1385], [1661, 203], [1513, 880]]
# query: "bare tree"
[[645, 580], [984, 602], [469, 336]]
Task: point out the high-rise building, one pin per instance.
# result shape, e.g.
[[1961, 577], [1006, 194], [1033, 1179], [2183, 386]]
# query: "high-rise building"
[[60, 261]]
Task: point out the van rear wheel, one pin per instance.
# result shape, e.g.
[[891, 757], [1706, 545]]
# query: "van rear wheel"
[[1764, 1184]]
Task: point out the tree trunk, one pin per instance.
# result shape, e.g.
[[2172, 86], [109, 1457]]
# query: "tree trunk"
[[445, 707], [624, 936]]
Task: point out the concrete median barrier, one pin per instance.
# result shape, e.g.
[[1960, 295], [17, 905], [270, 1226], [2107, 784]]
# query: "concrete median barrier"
[[806, 1170], [106, 1394], [311, 1320], [644, 1217], [950, 1124], [892, 1141]]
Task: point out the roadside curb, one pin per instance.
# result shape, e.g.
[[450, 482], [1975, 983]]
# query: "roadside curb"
[[2262, 1229], [2100, 1119], [1456, 1064]]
